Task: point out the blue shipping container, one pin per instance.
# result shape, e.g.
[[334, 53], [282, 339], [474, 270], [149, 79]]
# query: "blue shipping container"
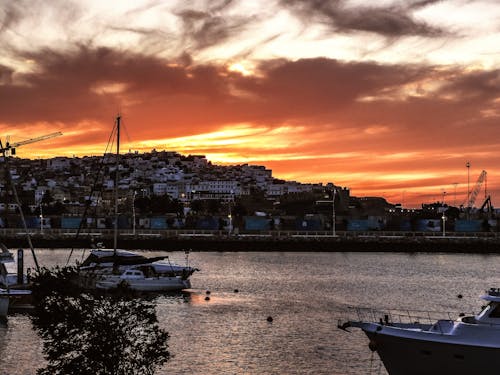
[[32, 222], [208, 223], [70, 222], [468, 225], [429, 225], [405, 226], [308, 224], [256, 223], [158, 223], [358, 225]]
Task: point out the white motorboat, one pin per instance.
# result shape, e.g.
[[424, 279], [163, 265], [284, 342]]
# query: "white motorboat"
[[101, 260], [465, 346], [111, 268], [143, 279]]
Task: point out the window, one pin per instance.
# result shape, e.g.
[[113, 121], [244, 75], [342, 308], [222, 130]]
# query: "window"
[[496, 311]]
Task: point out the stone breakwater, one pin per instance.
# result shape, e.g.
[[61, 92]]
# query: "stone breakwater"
[[374, 243]]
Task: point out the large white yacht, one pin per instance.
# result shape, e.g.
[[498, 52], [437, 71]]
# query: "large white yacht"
[[465, 346]]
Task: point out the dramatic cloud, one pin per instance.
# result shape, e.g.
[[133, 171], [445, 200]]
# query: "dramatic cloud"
[[312, 107], [391, 21]]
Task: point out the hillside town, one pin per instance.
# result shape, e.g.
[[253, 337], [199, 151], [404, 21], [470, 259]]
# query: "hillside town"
[[166, 190]]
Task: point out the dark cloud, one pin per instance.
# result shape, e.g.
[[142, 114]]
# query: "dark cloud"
[[211, 26], [162, 99], [6, 74], [390, 21]]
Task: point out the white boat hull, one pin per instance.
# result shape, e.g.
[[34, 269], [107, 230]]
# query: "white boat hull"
[[410, 356], [161, 284]]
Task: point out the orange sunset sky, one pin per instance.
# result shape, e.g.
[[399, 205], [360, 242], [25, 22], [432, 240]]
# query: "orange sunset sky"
[[389, 97]]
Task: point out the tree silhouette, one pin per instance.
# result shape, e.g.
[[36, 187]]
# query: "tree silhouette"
[[89, 334]]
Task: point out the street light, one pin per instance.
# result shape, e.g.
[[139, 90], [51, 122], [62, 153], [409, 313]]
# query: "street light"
[[334, 192], [41, 215], [133, 212], [468, 188], [444, 224], [230, 216]]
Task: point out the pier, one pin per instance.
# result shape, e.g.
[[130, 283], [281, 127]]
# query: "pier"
[[277, 240]]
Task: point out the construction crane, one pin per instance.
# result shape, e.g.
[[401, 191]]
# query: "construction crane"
[[477, 188], [489, 207], [10, 148]]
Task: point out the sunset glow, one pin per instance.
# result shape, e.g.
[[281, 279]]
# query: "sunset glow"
[[387, 98]]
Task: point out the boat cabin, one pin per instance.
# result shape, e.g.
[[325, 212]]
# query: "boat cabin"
[[490, 314]]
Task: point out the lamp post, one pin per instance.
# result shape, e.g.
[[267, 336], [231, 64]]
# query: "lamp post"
[[444, 224], [229, 215], [333, 212], [468, 188], [41, 215], [334, 192], [133, 212]]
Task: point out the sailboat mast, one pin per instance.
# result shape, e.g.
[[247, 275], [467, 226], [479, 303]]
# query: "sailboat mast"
[[115, 238]]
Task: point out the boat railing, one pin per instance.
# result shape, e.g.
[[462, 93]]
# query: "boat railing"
[[417, 318]]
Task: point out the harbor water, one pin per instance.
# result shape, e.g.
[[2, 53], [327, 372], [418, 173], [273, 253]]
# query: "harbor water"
[[305, 294]]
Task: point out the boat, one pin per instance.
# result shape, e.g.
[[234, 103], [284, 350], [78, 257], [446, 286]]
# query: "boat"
[[15, 290], [469, 344], [113, 268], [143, 279], [101, 259]]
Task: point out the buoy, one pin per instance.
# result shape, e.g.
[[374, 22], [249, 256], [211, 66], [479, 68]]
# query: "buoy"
[[207, 292], [207, 298], [236, 290], [269, 319], [460, 296]]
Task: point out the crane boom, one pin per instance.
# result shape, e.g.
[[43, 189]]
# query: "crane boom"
[[477, 188], [12, 146]]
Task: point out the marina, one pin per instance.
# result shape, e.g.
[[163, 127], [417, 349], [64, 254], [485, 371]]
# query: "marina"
[[304, 292]]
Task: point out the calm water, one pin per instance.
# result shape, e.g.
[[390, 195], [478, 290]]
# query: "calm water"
[[305, 293]]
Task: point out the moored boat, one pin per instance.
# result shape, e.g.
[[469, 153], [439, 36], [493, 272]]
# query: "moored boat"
[[143, 279], [14, 296], [105, 259], [111, 268], [464, 346]]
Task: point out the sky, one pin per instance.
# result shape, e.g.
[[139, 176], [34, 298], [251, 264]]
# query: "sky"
[[389, 97]]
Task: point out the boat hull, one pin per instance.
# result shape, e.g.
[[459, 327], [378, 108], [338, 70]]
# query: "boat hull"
[[410, 356], [162, 284], [4, 306]]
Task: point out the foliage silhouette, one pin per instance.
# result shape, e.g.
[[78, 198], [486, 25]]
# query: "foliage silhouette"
[[86, 333]]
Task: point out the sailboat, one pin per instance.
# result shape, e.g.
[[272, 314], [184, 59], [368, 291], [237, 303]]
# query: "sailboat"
[[15, 292], [114, 268]]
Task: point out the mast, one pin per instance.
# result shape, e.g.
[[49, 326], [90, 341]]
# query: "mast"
[[5, 152], [115, 238]]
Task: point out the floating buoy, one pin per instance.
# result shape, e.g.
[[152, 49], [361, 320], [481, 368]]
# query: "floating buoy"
[[460, 296], [269, 319], [236, 290], [208, 292], [207, 298]]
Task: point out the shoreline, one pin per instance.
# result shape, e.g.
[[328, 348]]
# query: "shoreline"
[[374, 243]]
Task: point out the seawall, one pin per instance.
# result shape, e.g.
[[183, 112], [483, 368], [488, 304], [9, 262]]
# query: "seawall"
[[207, 242]]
